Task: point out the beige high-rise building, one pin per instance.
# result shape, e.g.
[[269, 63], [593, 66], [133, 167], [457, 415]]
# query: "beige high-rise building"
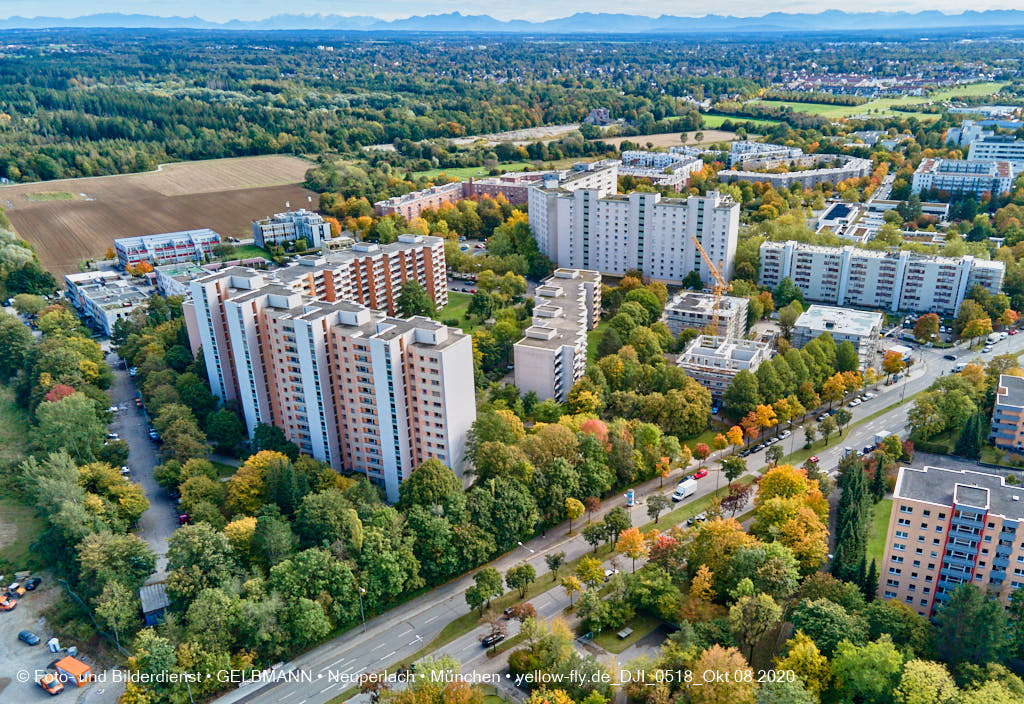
[[350, 386]]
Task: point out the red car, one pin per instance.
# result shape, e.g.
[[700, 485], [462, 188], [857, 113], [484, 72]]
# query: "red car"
[[700, 473], [184, 519]]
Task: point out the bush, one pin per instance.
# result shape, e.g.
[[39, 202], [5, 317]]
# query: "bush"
[[451, 322]]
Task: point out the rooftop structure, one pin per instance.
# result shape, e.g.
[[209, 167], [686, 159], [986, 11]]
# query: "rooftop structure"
[[104, 297], [713, 361], [755, 170], [694, 310], [862, 328], [744, 150]]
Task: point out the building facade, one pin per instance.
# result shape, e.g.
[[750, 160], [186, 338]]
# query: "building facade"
[[1008, 414], [894, 281], [998, 148], [592, 227], [350, 386], [861, 328], [290, 226], [755, 170], [963, 176], [552, 356], [713, 361], [743, 150], [167, 248], [369, 274], [696, 311], [951, 527]]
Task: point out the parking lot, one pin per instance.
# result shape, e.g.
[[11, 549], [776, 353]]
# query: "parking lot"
[[16, 656]]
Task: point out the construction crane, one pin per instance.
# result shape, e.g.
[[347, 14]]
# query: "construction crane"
[[720, 288]]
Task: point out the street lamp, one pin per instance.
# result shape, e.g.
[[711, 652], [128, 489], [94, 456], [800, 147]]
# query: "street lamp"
[[362, 613]]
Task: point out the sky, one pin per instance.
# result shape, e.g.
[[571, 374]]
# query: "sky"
[[222, 10]]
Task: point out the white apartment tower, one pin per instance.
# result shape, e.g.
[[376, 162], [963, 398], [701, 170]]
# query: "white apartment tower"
[[582, 225]]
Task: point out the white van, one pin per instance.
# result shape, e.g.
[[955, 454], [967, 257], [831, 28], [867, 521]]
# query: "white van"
[[993, 338], [687, 487]]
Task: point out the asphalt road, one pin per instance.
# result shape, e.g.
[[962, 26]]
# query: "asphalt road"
[[160, 520], [336, 665]]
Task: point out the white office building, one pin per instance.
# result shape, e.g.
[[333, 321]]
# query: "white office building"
[[290, 226], [552, 356], [104, 297], [894, 281], [998, 148], [859, 327], [692, 310], [963, 176], [592, 227], [167, 248]]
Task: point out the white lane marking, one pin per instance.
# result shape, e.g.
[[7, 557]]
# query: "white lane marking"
[[328, 688], [285, 696], [378, 647]]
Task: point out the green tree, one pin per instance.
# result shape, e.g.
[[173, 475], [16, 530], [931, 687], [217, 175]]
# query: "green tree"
[[742, 396], [751, 617], [971, 628], [413, 300], [867, 673], [786, 292], [69, 424], [970, 440], [925, 682], [656, 505], [554, 561], [488, 584], [521, 577], [827, 624], [846, 357]]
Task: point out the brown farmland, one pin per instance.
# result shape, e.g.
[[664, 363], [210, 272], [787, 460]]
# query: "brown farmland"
[[73, 219]]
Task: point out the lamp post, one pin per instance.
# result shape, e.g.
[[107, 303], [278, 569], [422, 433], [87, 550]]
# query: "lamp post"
[[362, 613]]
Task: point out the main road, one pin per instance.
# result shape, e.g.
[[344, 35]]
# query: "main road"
[[333, 667]]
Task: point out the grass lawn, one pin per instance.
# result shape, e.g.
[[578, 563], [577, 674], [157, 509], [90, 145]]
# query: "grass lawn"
[[247, 251], [594, 339], [466, 172], [50, 195], [458, 304], [707, 436], [642, 625], [223, 469], [879, 527], [712, 121], [19, 526], [13, 421]]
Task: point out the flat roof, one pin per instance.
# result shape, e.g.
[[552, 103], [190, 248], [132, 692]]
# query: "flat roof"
[[974, 488], [1014, 394], [845, 321]]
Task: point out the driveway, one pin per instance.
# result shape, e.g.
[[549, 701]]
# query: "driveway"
[[131, 423]]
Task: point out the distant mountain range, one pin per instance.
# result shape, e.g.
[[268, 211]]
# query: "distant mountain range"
[[582, 22]]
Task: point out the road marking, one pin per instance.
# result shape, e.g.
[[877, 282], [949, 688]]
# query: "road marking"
[[432, 618], [378, 647], [389, 654], [285, 696], [329, 687]]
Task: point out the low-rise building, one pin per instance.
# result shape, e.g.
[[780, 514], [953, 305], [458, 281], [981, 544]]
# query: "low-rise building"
[[670, 169], [552, 356], [963, 176], [104, 297], [744, 150], [695, 310], [713, 361], [862, 328], [1008, 414], [832, 168], [174, 279], [167, 248], [290, 226], [950, 527]]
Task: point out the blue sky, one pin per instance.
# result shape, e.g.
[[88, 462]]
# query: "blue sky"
[[221, 10]]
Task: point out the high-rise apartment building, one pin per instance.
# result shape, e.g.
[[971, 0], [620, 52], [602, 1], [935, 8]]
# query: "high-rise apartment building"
[[552, 356], [907, 281], [350, 386], [950, 527], [583, 223], [290, 226], [1008, 413], [367, 273]]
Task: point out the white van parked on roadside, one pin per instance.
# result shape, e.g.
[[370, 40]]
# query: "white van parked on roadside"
[[687, 487]]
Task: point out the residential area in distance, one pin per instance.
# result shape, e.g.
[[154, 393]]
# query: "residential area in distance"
[[460, 360]]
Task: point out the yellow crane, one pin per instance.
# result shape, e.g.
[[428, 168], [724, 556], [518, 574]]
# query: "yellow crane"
[[720, 288]]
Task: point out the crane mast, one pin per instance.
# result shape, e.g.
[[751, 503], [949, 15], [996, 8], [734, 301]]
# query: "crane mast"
[[720, 288]]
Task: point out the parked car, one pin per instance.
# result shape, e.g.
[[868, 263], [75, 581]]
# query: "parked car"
[[133, 371], [7, 603], [28, 637], [31, 583], [785, 434], [700, 473], [949, 357], [16, 589], [699, 518], [51, 684], [868, 449], [125, 470], [113, 436], [492, 640], [855, 402], [609, 573], [868, 394], [184, 519], [1012, 332], [113, 409], [986, 348]]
